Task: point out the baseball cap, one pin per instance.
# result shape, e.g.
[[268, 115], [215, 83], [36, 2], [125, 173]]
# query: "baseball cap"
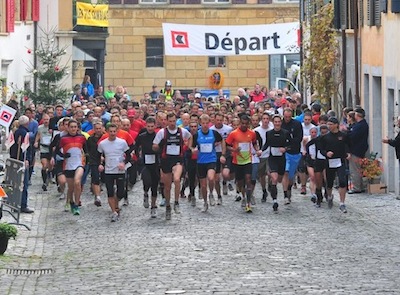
[[360, 111], [131, 113], [197, 95]]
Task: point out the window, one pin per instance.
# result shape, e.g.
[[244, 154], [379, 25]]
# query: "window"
[[154, 52], [216, 1], [374, 13], [216, 61], [2, 18], [153, 1]]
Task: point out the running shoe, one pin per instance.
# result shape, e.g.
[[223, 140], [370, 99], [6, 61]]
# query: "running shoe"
[[275, 207], [97, 201], [212, 200], [303, 190], [286, 201], [330, 202], [44, 187], [264, 197], [253, 200], [244, 202], [248, 209], [314, 198], [168, 213], [343, 208], [238, 198], [126, 202], [205, 207], [219, 201], [193, 201], [67, 207], [177, 210], [230, 186], [224, 189], [162, 202], [61, 196], [114, 217], [146, 201], [76, 211], [153, 212]]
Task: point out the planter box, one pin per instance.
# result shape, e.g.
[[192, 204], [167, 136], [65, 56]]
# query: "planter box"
[[378, 188]]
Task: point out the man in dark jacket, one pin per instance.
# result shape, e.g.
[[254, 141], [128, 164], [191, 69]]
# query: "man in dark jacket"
[[358, 136], [17, 153]]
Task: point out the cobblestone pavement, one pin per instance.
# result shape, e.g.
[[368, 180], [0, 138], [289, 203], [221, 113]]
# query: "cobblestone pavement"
[[300, 250]]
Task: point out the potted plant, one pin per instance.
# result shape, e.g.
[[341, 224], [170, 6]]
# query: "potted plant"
[[371, 168], [7, 231]]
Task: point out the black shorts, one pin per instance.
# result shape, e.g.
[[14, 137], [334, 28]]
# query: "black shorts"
[[242, 170], [71, 173], [319, 165], [202, 169], [119, 181], [169, 163], [228, 164], [302, 168], [58, 168], [94, 172], [218, 165], [277, 165], [45, 156]]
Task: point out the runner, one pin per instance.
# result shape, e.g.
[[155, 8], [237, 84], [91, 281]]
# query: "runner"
[[204, 144], [170, 141], [116, 154], [73, 147], [43, 139]]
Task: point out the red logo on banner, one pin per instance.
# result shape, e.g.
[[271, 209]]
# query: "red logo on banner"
[[10, 16], [5, 116], [35, 10], [180, 39]]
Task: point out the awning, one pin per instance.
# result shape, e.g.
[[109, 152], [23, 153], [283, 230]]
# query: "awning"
[[79, 54]]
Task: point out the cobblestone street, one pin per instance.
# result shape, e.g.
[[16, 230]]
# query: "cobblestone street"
[[300, 250]]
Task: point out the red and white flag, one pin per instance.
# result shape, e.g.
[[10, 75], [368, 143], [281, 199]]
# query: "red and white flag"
[[9, 140], [25, 143]]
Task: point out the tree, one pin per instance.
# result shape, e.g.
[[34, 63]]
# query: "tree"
[[321, 63], [50, 72]]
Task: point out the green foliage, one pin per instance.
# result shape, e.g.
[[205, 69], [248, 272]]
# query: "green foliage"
[[7, 230], [321, 54], [49, 72]]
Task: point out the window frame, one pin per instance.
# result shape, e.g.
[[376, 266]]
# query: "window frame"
[[217, 61], [153, 2], [157, 56]]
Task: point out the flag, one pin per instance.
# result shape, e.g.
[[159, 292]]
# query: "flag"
[[3, 194], [9, 140], [25, 143], [6, 116]]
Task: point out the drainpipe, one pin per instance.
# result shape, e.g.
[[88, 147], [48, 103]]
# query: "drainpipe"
[[356, 62], [344, 70], [35, 37]]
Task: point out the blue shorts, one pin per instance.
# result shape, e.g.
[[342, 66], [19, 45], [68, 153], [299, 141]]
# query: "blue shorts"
[[292, 161]]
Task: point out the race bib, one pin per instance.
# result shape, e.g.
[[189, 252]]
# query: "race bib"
[[244, 146], [320, 156], [206, 147], [46, 140], [275, 151], [335, 163], [173, 150], [311, 150], [149, 159]]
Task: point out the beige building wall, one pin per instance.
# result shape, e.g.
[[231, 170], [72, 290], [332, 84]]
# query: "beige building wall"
[[130, 26]]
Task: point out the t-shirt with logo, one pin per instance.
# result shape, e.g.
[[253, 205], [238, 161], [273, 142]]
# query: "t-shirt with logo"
[[244, 140], [225, 130], [206, 146]]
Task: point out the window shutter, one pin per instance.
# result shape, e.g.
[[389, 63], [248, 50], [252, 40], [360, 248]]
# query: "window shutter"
[[343, 14], [377, 13], [361, 12], [370, 12]]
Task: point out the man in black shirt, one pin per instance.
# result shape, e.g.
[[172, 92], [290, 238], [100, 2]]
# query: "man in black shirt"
[[334, 146], [293, 154]]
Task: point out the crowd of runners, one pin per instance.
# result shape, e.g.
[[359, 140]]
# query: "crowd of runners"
[[206, 146]]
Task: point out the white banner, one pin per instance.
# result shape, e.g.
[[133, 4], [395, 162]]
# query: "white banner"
[[180, 39]]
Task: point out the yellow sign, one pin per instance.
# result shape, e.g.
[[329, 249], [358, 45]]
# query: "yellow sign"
[[91, 15]]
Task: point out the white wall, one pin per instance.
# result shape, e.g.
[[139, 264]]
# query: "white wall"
[[15, 47]]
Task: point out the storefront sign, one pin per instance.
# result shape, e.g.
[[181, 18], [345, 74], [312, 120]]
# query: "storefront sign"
[[91, 15], [10, 15], [180, 39]]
